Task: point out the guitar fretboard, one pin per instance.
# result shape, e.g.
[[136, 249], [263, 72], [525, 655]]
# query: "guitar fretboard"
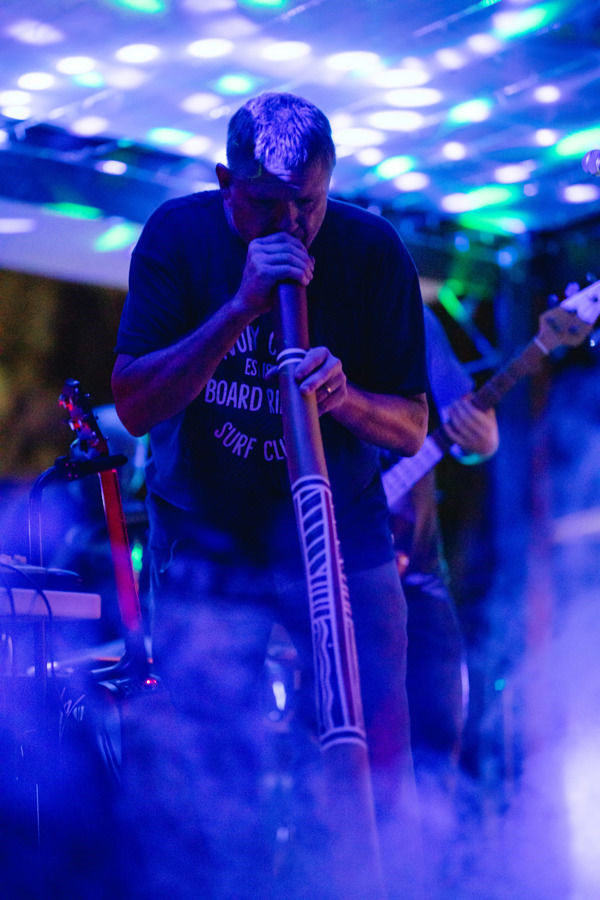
[[500, 384], [401, 477]]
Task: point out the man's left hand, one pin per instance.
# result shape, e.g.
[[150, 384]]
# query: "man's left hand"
[[321, 373], [474, 430]]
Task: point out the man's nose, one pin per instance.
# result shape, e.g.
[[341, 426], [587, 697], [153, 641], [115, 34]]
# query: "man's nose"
[[288, 216]]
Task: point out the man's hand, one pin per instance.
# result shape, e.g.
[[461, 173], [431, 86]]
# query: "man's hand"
[[321, 373], [383, 419], [474, 430], [271, 260]]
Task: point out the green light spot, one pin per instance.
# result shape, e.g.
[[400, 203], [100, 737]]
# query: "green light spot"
[[168, 136], [152, 7], [452, 304], [266, 4], [515, 23], [236, 84], [73, 210], [471, 111], [500, 224], [394, 166], [137, 554], [89, 79], [118, 237], [490, 195], [578, 142]]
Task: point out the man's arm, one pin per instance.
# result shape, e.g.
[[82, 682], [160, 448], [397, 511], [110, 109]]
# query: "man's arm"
[[388, 420], [151, 388], [398, 423]]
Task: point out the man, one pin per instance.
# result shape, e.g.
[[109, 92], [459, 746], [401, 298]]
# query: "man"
[[194, 369], [436, 666]]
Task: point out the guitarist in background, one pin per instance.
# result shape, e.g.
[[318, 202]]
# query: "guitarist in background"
[[435, 646]]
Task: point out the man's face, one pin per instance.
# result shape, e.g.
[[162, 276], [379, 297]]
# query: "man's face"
[[277, 200]]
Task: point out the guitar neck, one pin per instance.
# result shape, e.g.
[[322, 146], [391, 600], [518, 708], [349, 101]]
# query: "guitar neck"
[[399, 479], [127, 595], [490, 393]]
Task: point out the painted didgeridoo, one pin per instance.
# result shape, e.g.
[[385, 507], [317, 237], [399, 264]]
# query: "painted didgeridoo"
[[355, 858]]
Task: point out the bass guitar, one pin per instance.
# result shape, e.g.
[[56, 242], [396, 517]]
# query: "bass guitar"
[[566, 325]]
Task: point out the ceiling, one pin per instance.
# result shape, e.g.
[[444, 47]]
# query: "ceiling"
[[479, 112]]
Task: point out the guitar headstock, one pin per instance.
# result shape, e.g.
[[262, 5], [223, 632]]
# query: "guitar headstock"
[[569, 323], [82, 421]]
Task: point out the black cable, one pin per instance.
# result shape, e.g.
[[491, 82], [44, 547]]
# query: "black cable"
[[13, 612], [39, 591], [8, 588]]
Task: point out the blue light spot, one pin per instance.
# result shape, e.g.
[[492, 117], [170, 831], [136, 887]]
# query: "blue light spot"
[[505, 258]]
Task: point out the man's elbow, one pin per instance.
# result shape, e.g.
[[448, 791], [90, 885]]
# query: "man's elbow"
[[127, 405], [133, 426], [127, 409], [419, 424]]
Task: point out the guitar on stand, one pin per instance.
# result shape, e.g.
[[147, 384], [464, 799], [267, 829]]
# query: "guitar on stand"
[[64, 761], [89, 453], [566, 325]]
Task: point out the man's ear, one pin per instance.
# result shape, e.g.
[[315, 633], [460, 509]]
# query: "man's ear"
[[224, 176]]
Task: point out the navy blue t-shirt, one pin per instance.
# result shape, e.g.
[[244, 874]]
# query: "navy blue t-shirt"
[[223, 458]]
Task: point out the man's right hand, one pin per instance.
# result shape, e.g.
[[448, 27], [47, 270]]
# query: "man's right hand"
[[271, 260]]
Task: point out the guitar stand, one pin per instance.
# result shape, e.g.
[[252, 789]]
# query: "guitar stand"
[[65, 468]]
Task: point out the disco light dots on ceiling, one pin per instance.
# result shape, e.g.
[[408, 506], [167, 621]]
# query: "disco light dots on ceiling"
[[401, 77], [210, 48], [16, 225], [396, 107], [32, 31], [581, 193], [285, 51], [75, 65], [138, 53]]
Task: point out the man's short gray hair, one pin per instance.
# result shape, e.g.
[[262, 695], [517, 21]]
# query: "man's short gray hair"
[[280, 130]]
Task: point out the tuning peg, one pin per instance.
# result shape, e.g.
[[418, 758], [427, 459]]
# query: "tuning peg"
[[594, 338], [553, 300], [590, 278], [571, 288]]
